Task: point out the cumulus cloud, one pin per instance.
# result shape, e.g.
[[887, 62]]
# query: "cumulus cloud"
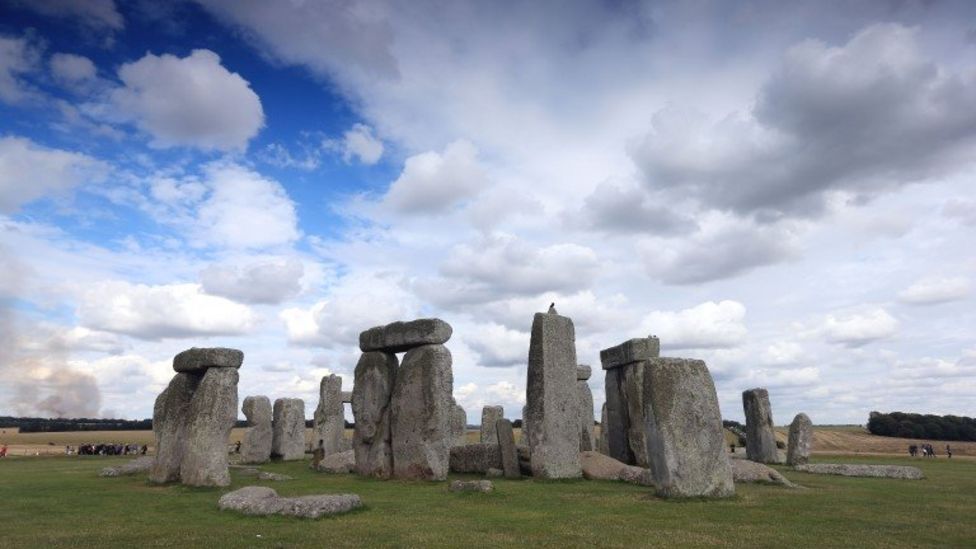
[[18, 57], [190, 101], [498, 346], [934, 290], [704, 326], [630, 209], [72, 70], [434, 182], [158, 312], [268, 282], [857, 328], [29, 171], [359, 143]]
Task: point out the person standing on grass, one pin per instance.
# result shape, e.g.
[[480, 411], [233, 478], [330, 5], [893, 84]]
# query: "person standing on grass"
[[3, 451], [948, 451]]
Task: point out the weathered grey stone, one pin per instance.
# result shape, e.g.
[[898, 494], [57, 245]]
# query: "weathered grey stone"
[[552, 404], [506, 446], [169, 426], [341, 463], [744, 471], [133, 467], [261, 500], [482, 486], [210, 418], [632, 395], [398, 337], [459, 425], [476, 458], [197, 359], [489, 417], [524, 459], [245, 471], [587, 441], [904, 472], [375, 376], [630, 351], [604, 444], [583, 372], [524, 435], [597, 466], [760, 438], [346, 397], [800, 440], [256, 446], [641, 476], [685, 440], [329, 419], [421, 408], [276, 477], [288, 433], [494, 473], [616, 425]]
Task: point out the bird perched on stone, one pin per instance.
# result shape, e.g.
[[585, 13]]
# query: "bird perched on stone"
[[552, 308]]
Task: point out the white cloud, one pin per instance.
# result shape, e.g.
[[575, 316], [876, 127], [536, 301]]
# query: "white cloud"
[[269, 281], [18, 57], [71, 69], [29, 171], [782, 377], [359, 142], [189, 101], [432, 182], [165, 311], [498, 346], [708, 325], [933, 290], [782, 353], [857, 328]]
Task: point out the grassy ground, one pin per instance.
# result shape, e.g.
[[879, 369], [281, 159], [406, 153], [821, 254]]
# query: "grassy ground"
[[60, 502]]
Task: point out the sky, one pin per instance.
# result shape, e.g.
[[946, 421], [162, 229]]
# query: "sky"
[[783, 190]]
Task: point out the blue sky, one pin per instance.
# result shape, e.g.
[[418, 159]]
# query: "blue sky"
[[785, 191]]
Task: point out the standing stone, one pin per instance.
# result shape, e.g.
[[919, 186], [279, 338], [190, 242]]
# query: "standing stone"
[[506, 445], [169, 425], [256, 446], [211, 416], [632, 393], [552, 402], [288, 436], [624, 386], [616, 424], [587, 442], [800, 441], [604, 444], [459, 425], [329, 420], [760, 438], [375, 375], [685, 441], [421, 408], [489, 417], [524, 436]]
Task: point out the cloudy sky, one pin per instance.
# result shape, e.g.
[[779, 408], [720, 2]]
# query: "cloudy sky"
[[785, 190]]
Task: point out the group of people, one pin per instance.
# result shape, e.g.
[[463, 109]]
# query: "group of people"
[[926, 450], [107, 450]]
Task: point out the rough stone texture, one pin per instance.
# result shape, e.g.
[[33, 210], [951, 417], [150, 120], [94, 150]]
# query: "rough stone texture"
[[256, 446], [347, 397], [288, 435], [744, 470], [524, 459], [169, 426], [526, 427], [552, 405], [800, 440], [375, 376], [482, 486], [421, 409], [489, 418], [198, 359], [685, 437], [403, 336], [494, 473], [760, 438], [630, 351], [341, 463], [260, 500], [632, 395], [905, 472], [210, 417], [587, 442], [506, 446], [264, 475], [597, 466], [583, 372], [459, 425], [603, 446], [329, 419], [640, 476], [133, 467], [476, 458], [615, 424]]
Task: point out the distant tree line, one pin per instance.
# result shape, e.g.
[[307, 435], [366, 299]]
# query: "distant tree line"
[[904, 425], [49, 425]]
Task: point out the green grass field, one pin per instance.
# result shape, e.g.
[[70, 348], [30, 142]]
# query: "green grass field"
[[61, 502]]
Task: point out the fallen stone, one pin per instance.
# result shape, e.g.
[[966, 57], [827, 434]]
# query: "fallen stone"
[[256, 446], [587, 442], [744, 471], [476, 458], [630, 351], [482, 486], [246, 471], [583, 372], [905, 472], [329, 417], [375, 376], [552, 404], [403, 336], [341, 463], [800, 440], [507, 448], [210, 418], [421, 409], [265, 475], [169, 426], [261, 500], [133, 467], [597, 466], [636, 475], [288, 434], [199, 359], [489, 417], [760, 438]]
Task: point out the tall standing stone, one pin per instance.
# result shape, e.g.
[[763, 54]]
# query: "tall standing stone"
[[329, 420], [800, 440], [375, 376], [587, 442], [256, 446], [552, 405], [632, 393], [604, 444], [506, 445], [624, 386], [459, 425], [170, 415], [212, 414], [421, 408], [489, 418], [616, 424], [685, 441], [760, 437], [288, 434]]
